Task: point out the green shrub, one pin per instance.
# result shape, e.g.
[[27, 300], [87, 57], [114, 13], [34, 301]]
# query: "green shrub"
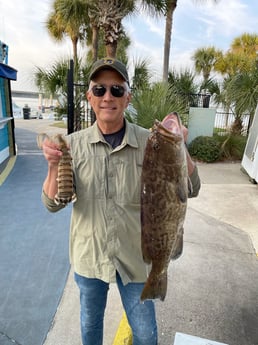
[[219, 147], [232, 146], [204, 148]]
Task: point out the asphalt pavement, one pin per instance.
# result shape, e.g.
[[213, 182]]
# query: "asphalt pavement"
[[212, 288], [33, 250]]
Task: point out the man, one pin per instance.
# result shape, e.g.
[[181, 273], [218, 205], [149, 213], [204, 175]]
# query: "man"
[[105, 245]]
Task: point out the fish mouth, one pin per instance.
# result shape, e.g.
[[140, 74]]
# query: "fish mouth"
[[170, 127]]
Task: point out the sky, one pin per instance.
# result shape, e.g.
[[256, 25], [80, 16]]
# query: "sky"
[[196, 24]]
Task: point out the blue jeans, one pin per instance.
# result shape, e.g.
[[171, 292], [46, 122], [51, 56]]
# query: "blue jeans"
[[93, 298]]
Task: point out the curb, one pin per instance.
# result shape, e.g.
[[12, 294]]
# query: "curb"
[[124, 333], [7, 169]]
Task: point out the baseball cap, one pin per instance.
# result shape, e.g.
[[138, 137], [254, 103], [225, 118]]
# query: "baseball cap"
[[109, 63]]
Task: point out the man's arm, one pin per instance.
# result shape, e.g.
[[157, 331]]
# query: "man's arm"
[[194, 183]]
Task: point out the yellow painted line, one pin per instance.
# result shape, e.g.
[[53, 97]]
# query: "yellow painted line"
[[124, 333], [8, 169]]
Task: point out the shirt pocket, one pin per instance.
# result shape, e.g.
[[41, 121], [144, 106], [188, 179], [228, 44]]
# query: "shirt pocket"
[[128, 182], [89, 175]]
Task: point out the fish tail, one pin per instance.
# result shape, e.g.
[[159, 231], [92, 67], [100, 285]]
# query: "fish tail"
[[155, 287]]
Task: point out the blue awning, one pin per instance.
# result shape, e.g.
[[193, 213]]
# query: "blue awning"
[[7, 72]]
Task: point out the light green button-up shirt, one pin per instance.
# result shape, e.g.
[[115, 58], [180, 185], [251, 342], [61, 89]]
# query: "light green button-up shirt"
[[105, 234]]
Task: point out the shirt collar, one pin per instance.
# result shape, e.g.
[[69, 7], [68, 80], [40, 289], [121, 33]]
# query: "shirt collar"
[[129, 137]]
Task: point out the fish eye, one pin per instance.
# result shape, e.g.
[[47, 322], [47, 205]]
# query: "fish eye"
[[155, 146]]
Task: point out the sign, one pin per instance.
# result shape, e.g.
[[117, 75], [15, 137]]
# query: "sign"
[[186, 339]]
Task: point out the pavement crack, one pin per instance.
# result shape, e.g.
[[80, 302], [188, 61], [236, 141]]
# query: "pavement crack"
[[7, 337]]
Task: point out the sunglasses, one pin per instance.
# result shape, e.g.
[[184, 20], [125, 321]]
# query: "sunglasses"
[[116, 90]]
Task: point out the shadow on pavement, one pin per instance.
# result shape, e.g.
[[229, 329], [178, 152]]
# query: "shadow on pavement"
[[212, 288], [33, 250]]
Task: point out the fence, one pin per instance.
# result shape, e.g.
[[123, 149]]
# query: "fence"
[[224, 122], [199, 100], [81, 115]]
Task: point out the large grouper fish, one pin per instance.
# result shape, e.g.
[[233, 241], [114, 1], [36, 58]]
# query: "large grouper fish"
[[164, 193]]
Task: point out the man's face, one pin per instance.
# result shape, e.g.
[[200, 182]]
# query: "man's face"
[[108, 108]]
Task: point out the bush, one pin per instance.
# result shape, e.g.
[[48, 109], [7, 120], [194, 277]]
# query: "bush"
[[232, 146], [225, 147], [204, 148]]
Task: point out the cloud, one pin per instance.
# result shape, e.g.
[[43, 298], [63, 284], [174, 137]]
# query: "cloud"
[[195, 24], [154, 26], [225, 21], [22, 27]]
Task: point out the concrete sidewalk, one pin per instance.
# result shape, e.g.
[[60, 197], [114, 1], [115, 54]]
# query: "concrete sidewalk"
[[228, 199], [212, 290], [228, 195]]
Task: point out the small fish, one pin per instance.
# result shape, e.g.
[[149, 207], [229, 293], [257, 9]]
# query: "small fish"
[[164, 193]]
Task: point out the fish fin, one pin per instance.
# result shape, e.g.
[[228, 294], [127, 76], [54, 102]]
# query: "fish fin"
[[181, 194], [178, 248], [190, 186], [155, 286], [146, 259]]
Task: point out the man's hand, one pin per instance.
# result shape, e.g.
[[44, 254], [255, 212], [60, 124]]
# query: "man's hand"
[[51, 150]]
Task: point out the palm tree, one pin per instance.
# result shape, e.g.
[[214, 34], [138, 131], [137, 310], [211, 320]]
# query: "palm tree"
[[155, 102], [169, 12], [121, 52], [53, 82], [186, 87], [205, 60], [108, 15], [239, 88], [184, 81], [68, 18], [141, 75], [246, 48], [170, 8], [229, 64], [247, 44], [93, 30], [241, 91], [240, 57]]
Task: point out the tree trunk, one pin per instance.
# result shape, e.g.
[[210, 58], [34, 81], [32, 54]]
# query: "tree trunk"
[[168, 32], [95, 34], [75, 56], [111, 49], [237, 126]]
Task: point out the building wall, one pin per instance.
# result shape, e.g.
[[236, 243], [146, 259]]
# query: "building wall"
[[250, 157], [7, 73], [4, 134], [201, 123]]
